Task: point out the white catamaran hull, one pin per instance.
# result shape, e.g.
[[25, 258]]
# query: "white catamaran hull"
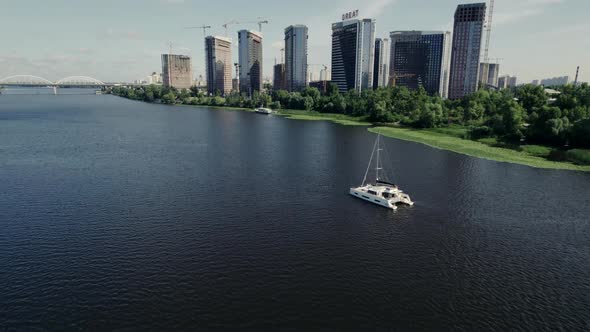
[[356, 192]]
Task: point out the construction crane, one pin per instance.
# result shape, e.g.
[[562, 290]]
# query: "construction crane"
[[488, 32], [260, 23], [204, 27], [234, 22], [227, 24]]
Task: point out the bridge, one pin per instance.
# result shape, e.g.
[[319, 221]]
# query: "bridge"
[[71, 81]]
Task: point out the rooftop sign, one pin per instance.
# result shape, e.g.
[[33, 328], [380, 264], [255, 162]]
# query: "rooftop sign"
[[350, 15]]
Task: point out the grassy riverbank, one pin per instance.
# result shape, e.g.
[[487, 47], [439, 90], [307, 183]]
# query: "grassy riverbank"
[[342, 119], [450, 139]]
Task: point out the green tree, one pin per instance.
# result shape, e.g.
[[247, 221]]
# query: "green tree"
[[580, 134], [169, 98], [531, 97]]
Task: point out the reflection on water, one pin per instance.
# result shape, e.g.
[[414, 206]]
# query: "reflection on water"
[[123, 215]]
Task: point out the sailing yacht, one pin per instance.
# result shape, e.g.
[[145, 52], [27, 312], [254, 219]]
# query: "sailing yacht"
[[381, 192]]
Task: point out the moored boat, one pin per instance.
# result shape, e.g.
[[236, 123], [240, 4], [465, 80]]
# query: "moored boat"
[[263, 110], [381, 192]]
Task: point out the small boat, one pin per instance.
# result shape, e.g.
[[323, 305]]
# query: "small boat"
[[263, 110], [381, 192]]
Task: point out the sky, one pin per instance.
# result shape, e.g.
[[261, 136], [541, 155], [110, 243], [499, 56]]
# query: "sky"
[[122, 40]]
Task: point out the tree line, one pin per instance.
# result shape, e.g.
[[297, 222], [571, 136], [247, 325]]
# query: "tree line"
[[526, 113]]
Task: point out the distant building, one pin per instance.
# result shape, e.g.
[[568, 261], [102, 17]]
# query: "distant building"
[[535, 82], [250, 60], [353, 47], [506, 82], [555, 81], [323, 75], [420, 59], [177, 71], [488, 74], [381, 63], [278, 82], [235, 85], [296, 57], [218, 64], [320, 85], [503, 82], [154, 78], [512, 81], [465, 57]]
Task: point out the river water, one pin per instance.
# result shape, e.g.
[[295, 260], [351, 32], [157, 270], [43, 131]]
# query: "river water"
[[118, 214]]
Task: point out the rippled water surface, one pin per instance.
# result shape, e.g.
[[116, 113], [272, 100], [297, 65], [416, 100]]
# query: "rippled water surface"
[[116, 214]]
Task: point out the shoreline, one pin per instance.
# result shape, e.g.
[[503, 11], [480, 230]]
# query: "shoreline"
[[474, 148], [429, 137]]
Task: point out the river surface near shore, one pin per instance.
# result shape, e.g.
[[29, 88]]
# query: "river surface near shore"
[[118, 214]]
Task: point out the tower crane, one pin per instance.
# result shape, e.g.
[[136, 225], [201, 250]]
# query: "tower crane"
[[227, 24], [260, 22], [204, 27], [488, 32]]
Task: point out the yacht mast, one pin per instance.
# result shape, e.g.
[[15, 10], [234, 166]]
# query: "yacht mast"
[[377, 168], [370, 161]]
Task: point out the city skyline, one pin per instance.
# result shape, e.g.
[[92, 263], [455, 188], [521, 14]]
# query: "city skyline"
[[126, 44]]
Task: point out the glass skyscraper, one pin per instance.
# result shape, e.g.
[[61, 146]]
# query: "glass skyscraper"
[[296, 57], [218, 64], [420, 59], [353, 53], [467, 33], [250, 61]]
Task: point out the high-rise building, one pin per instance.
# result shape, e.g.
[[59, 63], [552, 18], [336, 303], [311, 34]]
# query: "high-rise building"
[[278, 82], [535, 82], [218, 64], [506, 82], [420, 59], [467, 33], [353, 53], [488, 74], [177, 71], [381, 63], [250, 61], [296, 57], [555, 81]]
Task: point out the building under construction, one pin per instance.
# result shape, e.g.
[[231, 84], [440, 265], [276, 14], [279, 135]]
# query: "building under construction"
[[279, 79], [177, 71]]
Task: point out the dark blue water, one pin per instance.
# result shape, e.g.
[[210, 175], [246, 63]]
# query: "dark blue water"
[[123, 215]]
